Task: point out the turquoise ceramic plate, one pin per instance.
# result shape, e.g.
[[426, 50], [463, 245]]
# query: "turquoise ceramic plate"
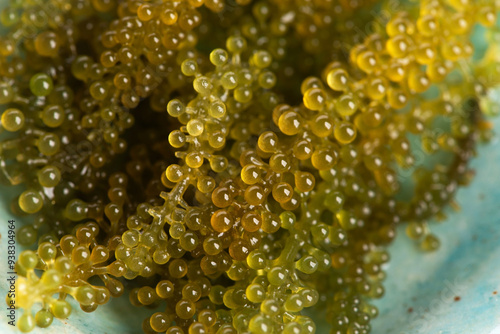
[[456, 289], [451, 291]]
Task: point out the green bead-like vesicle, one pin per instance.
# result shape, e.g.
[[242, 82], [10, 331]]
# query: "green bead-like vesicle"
[[76, 210], [53, 116], [49, 176], [51, 278], [27, 235], [61, 309], [63, 265], [44, 318], [28, 260], [47, 251], [218, 57], [30, 201], [41, 84], [49, 144], [85, 295], [12, 119], [26, 322]]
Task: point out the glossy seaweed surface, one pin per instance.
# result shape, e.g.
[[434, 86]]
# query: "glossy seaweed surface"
[[420, 288], [253, 216]]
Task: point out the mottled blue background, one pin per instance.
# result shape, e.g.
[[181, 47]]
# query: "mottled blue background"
[[421, 287]]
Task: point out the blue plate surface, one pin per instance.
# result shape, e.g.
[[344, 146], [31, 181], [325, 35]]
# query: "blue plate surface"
[[457, 288]]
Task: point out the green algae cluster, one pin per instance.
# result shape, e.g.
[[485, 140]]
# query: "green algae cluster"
[[234, 163]]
